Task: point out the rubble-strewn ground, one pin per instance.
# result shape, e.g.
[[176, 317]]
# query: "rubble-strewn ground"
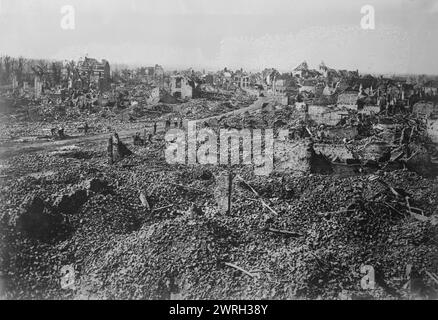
[[145, 229], [123, 249]]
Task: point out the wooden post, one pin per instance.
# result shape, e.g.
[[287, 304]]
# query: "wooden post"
[[230, 189], [402, 136], [110, 151], [222, 192]]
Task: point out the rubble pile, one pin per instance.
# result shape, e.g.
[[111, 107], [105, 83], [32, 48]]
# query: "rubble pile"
[[167, 249], [311, 265], [85, 185], [281, 118]]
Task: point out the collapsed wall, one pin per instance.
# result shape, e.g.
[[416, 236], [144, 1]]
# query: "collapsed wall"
[[326, 114], [299, 158], [334, 151], [293, 156], [348, 133], [432, 128], [376, 151]]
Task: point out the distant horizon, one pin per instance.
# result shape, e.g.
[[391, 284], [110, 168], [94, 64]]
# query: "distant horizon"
[[183, 68], [208, 34]]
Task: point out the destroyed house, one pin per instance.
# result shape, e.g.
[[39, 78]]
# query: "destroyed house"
[[280, 86], [270, 76], [407, 90], [224, 77], [180, 87], [256, 78], [348, 99], [328, 90], [153, 96], [368, 104], [308, 86], [341, 86], [326, 114], [394, 91], [431, 87], [349, 74], [241, 79], [312, 74], [244, 81], [365, 82], [209, 79], [153, 72], [95, 69], [300, 70], [303, 71], [158, 71], [286, 84], [330, 74]]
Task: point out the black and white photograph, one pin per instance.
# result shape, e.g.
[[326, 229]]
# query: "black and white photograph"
[[218, 155]]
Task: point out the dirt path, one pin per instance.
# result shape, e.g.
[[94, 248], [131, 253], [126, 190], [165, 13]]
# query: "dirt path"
[[13, 148], [16, 148]]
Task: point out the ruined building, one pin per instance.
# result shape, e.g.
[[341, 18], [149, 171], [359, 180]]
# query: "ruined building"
[[348, 99], [97, 73], [180, 87]]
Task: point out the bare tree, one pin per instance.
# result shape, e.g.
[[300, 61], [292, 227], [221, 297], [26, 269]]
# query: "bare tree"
[[19, 69], [56, 69], [7, 62], [1, 70]]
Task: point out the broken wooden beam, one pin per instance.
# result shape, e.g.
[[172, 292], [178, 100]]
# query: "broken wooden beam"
[[162, 208], [285, 232], [240, 269], [392, 208], [412, 155], [332, 212], [258, 195], [432, 276]]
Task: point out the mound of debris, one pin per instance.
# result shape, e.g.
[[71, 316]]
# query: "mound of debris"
[[173, 258], [38, 220]]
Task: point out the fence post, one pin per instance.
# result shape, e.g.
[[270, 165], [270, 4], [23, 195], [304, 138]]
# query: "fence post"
[[110, 150]]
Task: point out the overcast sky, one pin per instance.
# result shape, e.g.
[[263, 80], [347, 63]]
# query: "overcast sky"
[[252, 34]]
